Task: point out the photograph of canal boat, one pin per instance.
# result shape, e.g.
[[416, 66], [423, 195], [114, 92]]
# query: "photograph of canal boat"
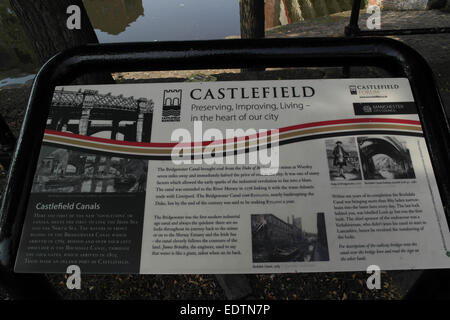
[[385, 157], [62, 170], [343, 159], [296, 239]]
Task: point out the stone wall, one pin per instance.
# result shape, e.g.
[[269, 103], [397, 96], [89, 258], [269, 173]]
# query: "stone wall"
[[280, 12]]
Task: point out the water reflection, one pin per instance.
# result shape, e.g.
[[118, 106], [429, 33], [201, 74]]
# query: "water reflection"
[[164, 19], [113, 16], [124, 21]]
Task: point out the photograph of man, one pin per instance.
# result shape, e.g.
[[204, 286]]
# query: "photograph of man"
[[343, 159], [340, 156]]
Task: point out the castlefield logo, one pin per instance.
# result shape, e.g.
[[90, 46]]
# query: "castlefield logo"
[[171, 110], [372, 90]]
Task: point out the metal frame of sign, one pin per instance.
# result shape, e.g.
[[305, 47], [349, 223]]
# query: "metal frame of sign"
[[394, 56]]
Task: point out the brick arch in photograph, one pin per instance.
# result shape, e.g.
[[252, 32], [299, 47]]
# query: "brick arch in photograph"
[[390, 146]]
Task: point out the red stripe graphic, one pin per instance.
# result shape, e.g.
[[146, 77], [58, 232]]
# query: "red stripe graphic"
[[224, 141]]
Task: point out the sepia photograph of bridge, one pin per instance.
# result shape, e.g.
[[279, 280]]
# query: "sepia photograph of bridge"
[[89, 113], [385, 157], [62, 171], [291, 239]]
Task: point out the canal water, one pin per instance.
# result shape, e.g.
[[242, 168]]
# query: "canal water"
[[154, 20]]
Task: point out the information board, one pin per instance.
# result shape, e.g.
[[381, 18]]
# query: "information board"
[[234, 177]]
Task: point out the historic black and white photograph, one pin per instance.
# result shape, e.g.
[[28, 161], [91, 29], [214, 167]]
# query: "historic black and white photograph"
[[385, 157], [90, 113], [299, 238], [343, 160], [64, 170]]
